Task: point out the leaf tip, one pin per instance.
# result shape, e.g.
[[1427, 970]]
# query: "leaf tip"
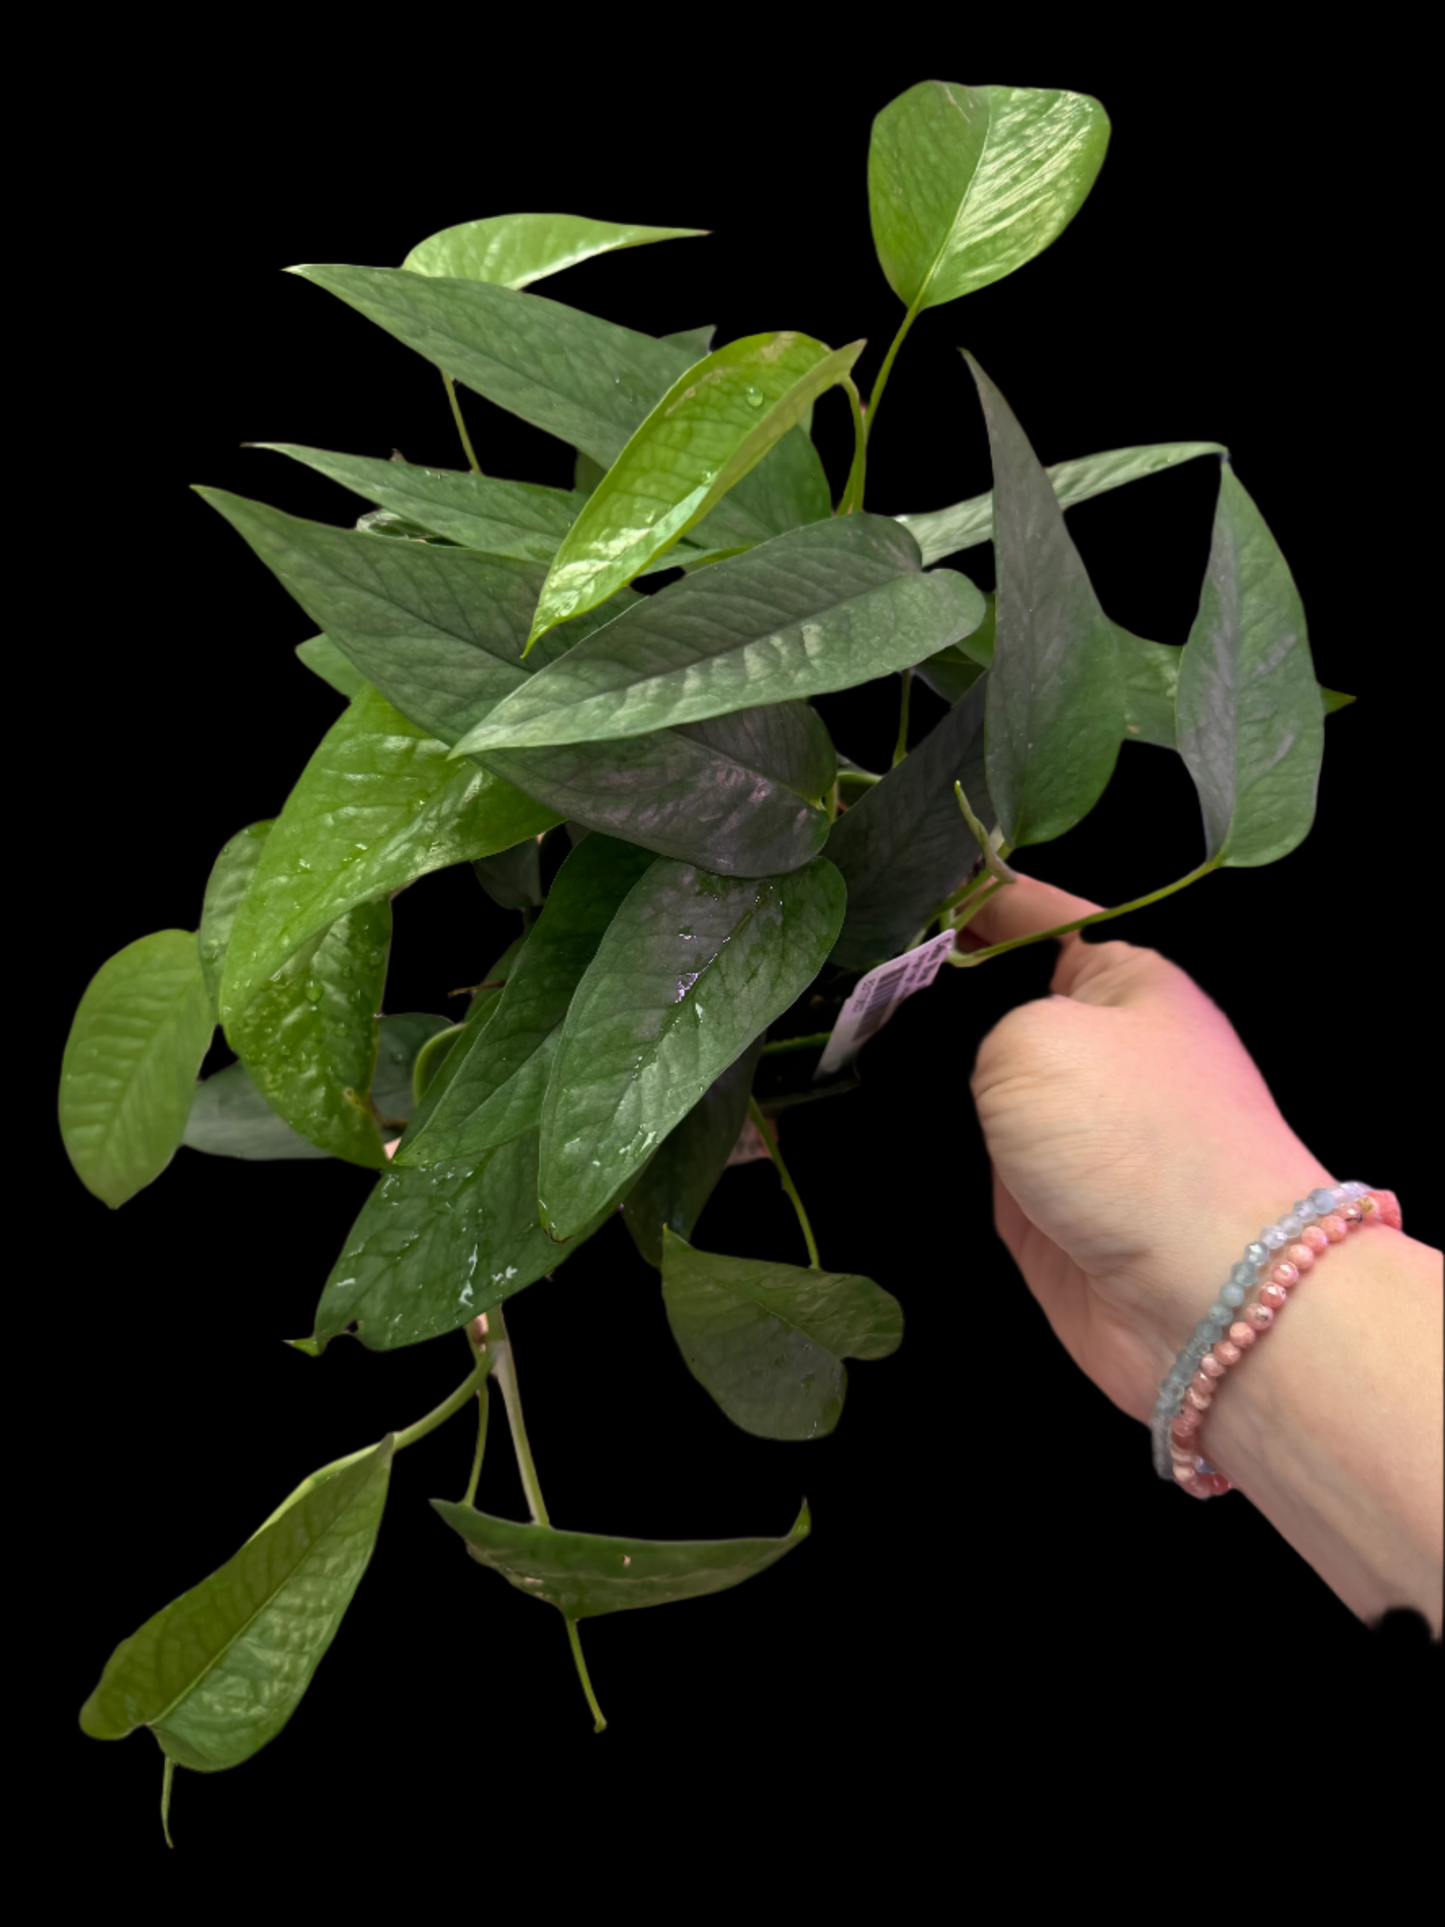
[[313, 1346]]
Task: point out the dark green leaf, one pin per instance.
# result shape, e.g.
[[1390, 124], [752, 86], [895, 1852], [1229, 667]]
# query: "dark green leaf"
[[712, 427], [402, 1037], [965, 184], [226, 889], [1056, 691], [967, 525], [515, 249], [683, 1171], [481, 1010], [692, 967], [768, 1341], [697, 341], [129, 1069], [230, 1119], [495, 1089], [584, 1575], [1250, 716], [904, 845], [818, 609], [219, 1672], [322, 657], [513, 878]]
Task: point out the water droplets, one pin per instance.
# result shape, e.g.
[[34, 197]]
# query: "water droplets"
[[752, 396]]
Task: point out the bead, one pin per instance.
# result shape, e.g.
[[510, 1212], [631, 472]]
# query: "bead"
[[1186, 1425], [1202, 1383], [1284, 1274], [1323, 1200], [1272, 1237], [1352, 1214], [1218, 1320], [1227, 1351], [1182, 1454], [1210, 1330], [1184, 1472], [1290, 1225], [1198, 1400], [1218, 1484], [1242, 1335], [1260, 1316], [1300, 1256], [1213, 1366], [1242, 1274], [1256, 1254], [1304, 1210], [1234, 1295], [1275, 1296], [1370, 1205], [1342, 1194], [1333, 1227], [1314, 1238]]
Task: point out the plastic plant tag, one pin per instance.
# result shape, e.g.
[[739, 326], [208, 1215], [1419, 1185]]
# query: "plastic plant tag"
[[876, 996]]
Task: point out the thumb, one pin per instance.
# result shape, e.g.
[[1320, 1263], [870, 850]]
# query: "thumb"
[[1094, 971]]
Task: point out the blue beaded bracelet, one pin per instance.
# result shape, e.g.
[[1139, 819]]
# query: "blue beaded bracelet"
[[1258, 1256]]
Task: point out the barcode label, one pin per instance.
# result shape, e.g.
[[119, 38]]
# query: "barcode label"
[[876, 997]]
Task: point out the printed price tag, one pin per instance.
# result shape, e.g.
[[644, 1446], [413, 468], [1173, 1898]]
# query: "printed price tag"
[[877, 996]]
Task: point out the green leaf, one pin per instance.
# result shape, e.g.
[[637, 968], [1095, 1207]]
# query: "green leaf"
[[378, 805], [818, 609], [129, 1069], [768, 1341], [711, 428], [904, 845], [230, 1119], [965, 184], [1250, 714], [697, 342], [495, 1090], [584, 1574], [226, 889], [967, 525], [692, 967], [438, 631], [1055, 692], [585, 380], [684, 1169], [481, 1010], [322, 657], [219, 1672], [309, 1037], [515, 249], [402, 1037], [513, 878]]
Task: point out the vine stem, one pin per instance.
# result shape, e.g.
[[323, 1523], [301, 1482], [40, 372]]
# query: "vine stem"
[[965, 959], [900, 748], [167, 1781], [852, 500], [887, 369], [814, 1041], [769, 1137], [447, 1407], [461, 425]]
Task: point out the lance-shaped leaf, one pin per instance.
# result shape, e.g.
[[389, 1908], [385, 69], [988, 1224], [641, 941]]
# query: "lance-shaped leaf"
[[818, 609], [129, 1069], [967, 525], [711, 428], [379, 805], [322, 657], [220, 1671], [904, 845], [515, 249], [1055, 691], [585, 1575], [692, 967], [768, 1341], [582, 379], [226, 888], [495, 1089], [308, 1037], [683, 1171], [433, 1247], [1250, 716], [438, 631], [965, 184]]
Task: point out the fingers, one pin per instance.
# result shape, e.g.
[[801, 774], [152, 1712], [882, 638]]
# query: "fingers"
[[1093, 966], [1023, 909]]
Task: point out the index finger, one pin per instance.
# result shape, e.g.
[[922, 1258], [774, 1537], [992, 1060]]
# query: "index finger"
[[1023, 909]]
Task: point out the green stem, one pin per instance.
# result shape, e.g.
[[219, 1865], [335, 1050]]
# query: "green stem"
[[863, 776], [469, 1497], [965, 959], [886, 370], [993, 858], [769, 1137], [582, 1674], [424, 1057], [852, 500], [444, 1411], [900, 748], [815, 1041], [506, 1371], [166, 1780], [461, 425]]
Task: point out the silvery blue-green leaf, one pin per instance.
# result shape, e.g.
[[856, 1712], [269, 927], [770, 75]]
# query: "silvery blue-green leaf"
[[515, 249], [1250, 716], [692, 967], [768, 1341], [818, 609], [226, 889], [322, 657], [965, 184], [712, 427], [129, 1070], [967, 525], [585, 1574], [683, 1171], [1055, 691], [219, 1672]]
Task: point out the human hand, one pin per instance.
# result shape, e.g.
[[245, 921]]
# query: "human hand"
[[1136, 1148]]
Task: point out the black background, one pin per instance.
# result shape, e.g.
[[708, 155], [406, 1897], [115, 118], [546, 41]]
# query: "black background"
[[994, 1572]]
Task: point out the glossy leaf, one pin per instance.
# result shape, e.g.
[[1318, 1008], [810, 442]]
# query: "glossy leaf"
[[480, 1011], [322, 657], [683, 1171], [513, 878], [378, 805], [438, 631], [768, 1341], [904, 845], [129, 1069], [1055, 691], [309, 1036], [818, 609], [515, 249], [965, 184], [967, 525], [495, 1090], [691, 969], [585, 1575], [1250, 715], [402, 1037], [226, 888], [219, 1672], [711, 428]]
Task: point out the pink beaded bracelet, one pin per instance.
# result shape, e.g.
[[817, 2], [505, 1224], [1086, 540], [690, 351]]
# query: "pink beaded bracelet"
[[1190, 1470]]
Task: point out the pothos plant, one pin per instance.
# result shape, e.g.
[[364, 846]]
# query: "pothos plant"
[[512, 695]]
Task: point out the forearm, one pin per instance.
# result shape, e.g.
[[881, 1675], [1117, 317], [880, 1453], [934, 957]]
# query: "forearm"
[[1334, 1425]]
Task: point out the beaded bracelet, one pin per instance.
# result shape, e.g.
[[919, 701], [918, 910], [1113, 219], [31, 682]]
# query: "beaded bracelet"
[[1324, 1218]]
